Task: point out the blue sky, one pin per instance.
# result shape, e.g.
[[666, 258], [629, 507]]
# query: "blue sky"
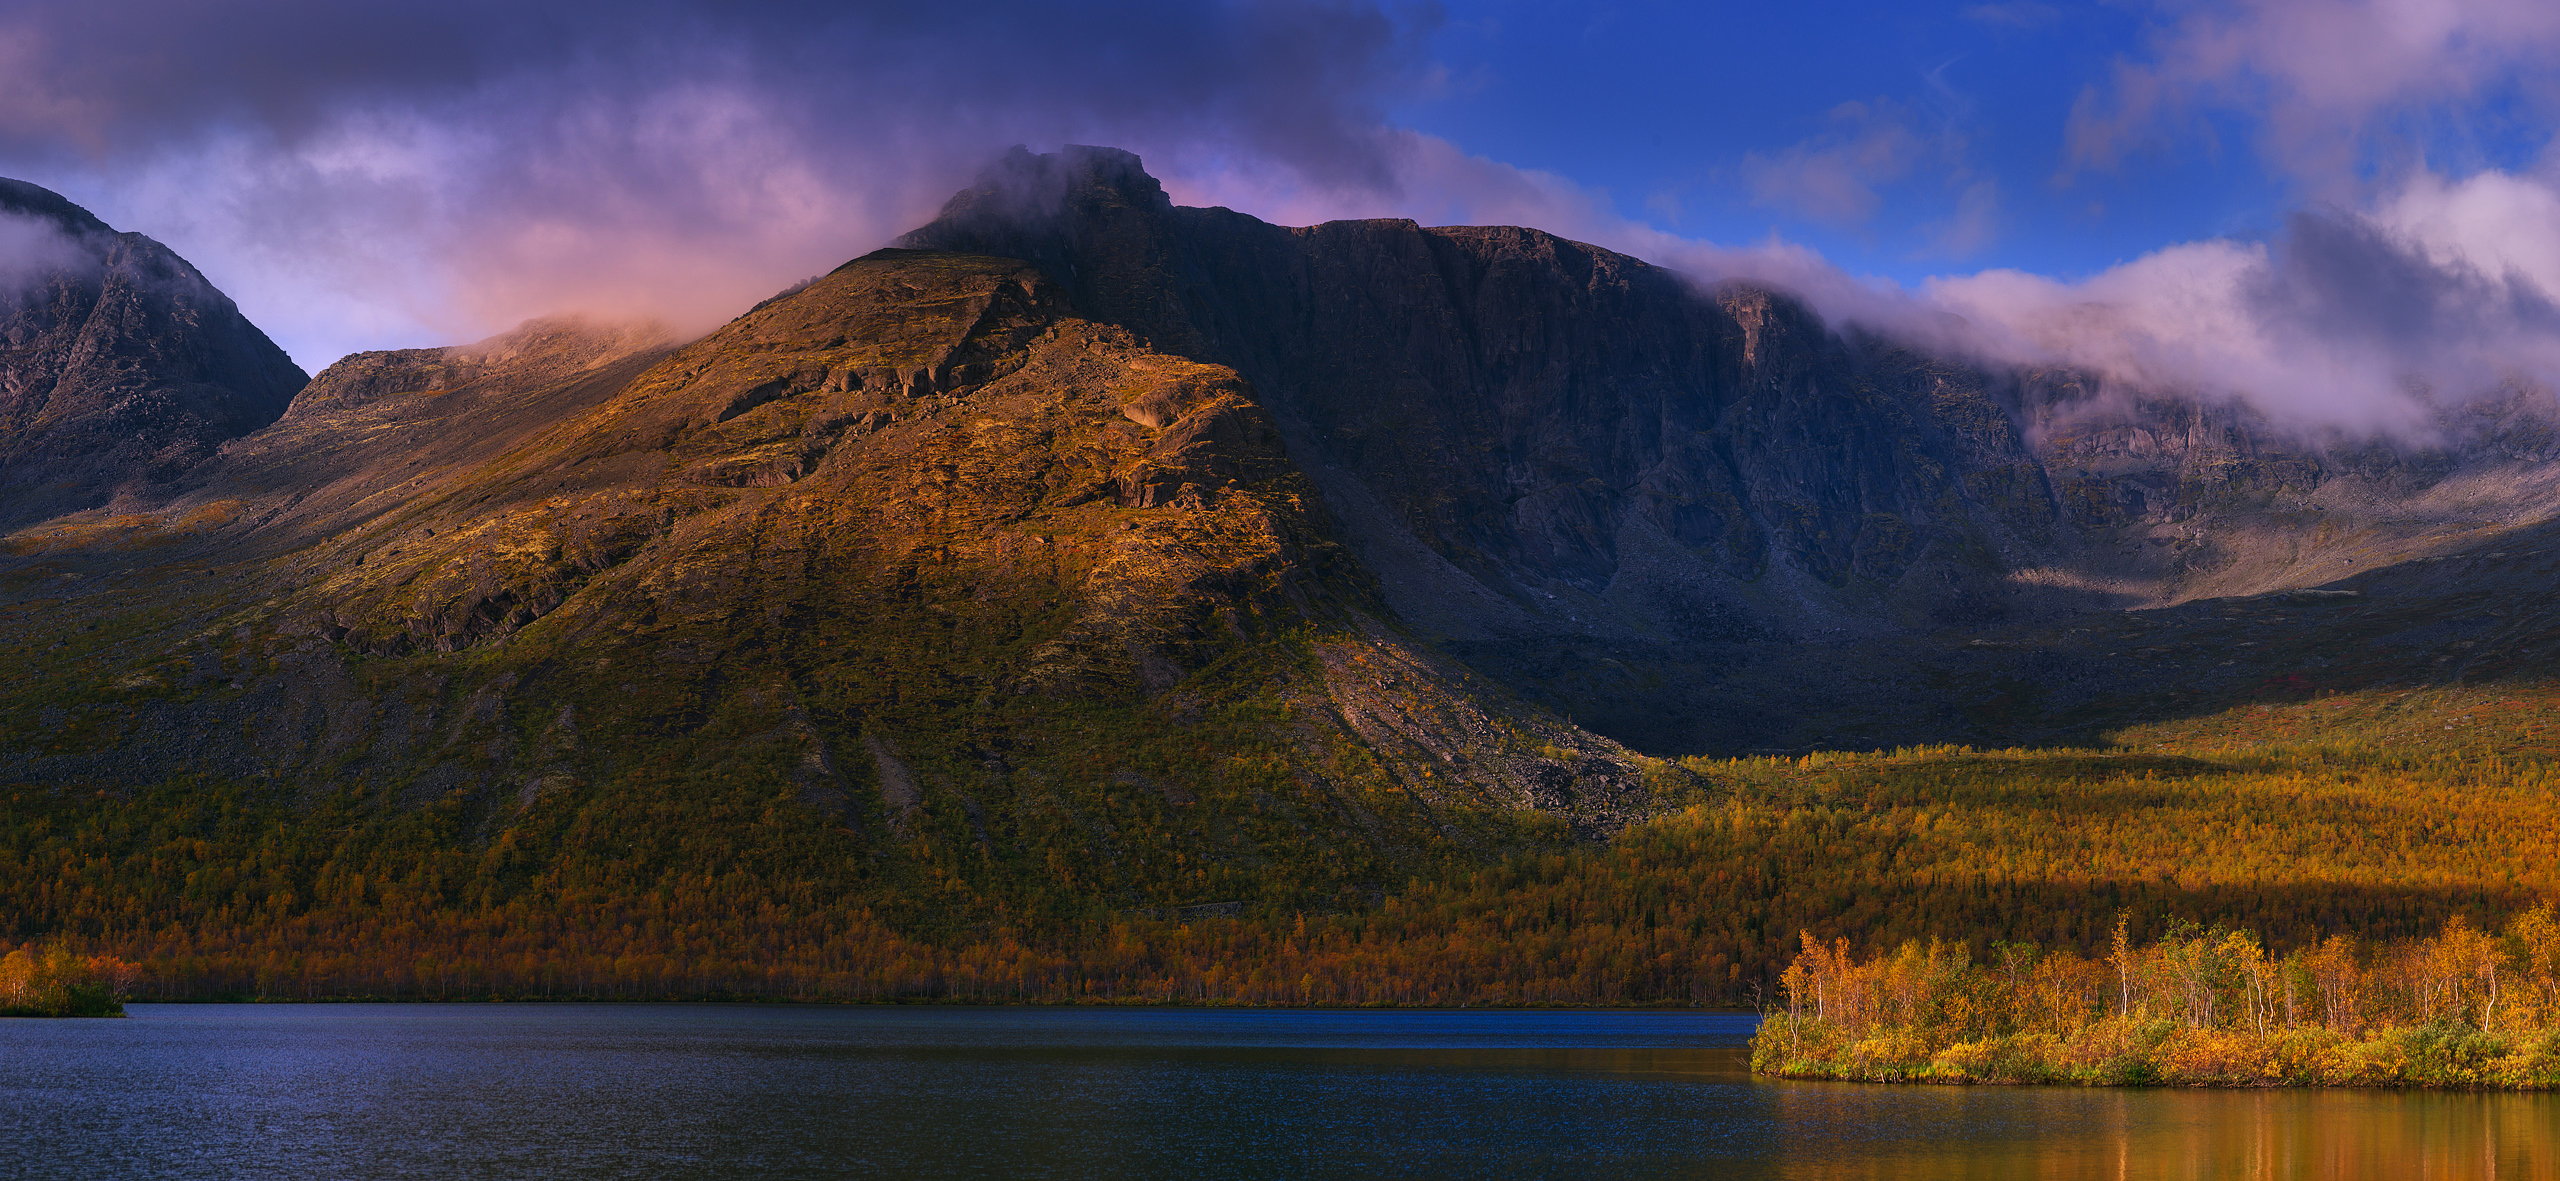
[[1702, 119], [1715, 121]]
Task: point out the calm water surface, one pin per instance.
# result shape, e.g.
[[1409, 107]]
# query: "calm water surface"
[[367, 1091]]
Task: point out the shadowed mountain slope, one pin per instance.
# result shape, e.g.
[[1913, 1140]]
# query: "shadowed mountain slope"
[[120, 366], [1534, 437], [1697, 518]]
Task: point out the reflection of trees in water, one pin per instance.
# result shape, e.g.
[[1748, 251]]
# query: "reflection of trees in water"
[[1838, 1132]]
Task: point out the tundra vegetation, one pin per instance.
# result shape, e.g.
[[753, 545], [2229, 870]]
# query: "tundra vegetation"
[[1095, 628]]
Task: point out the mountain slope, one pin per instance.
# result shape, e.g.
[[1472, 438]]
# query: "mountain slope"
[[1014, 602], [1551, 439]]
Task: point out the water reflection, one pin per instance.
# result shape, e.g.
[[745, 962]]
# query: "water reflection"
[[707, 1091], [1838, 1132]]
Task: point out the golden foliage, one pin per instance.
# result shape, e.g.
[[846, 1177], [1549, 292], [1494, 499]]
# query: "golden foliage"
[[2199, 1007]]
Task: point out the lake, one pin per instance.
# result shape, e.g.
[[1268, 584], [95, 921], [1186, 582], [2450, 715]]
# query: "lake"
[[679, 1091]]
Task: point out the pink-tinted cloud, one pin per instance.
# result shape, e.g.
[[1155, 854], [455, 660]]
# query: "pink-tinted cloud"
[[2350, 319], [359, 176], [31, 247], [437, 173]]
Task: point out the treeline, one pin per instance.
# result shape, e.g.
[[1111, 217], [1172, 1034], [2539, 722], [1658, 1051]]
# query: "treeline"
[[2202, 1006], [687, 886], [1680, 913]]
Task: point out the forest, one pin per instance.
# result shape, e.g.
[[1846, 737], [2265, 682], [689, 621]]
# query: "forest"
[[2370, 818]]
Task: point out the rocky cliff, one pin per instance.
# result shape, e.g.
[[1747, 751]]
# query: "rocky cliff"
[[1697, 517], [120, 366], [1533, 437]]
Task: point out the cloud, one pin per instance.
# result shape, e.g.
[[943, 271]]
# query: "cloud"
[[1843, 175], [2352, 320], [1435, 182], [361, 175], [32, 248], [1973, 225], [2338, 323], [2333, 83], [1834, 176]]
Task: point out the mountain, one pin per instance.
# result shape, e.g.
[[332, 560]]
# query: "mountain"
[[1704, 520], [122, 366], [1085, 558], [991, 589]]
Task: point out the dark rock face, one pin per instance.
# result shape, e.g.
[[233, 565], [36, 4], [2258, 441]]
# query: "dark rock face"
[[1534, 437], [120, 365], [1690, 520], [1698, 518], [1579, 471]]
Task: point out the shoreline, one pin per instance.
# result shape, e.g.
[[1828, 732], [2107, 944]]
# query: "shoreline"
[[2158, 1054], [927, 1002]]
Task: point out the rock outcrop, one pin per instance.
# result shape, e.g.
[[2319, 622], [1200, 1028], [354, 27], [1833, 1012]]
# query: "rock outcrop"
[[1696, 517], [1367, 484]]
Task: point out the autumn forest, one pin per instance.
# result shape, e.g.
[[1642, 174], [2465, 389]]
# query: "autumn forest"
[[2316, 836]]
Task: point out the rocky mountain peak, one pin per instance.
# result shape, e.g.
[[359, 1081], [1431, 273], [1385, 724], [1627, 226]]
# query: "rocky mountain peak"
[[1024, 190], [537, 352], [1549, 447], [125, 366]]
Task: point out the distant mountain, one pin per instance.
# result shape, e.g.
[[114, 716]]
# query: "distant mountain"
[[120, 366]]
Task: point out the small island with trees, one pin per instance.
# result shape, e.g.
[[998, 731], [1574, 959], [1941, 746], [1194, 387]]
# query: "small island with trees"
[[53, 981], [2198, 1007]]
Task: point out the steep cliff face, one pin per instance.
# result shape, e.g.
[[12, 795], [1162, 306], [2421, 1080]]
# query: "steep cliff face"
[[1702, 519], [120, 366], [1533, 437]]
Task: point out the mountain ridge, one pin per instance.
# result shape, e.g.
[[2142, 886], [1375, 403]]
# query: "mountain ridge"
[[1092, 599]]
